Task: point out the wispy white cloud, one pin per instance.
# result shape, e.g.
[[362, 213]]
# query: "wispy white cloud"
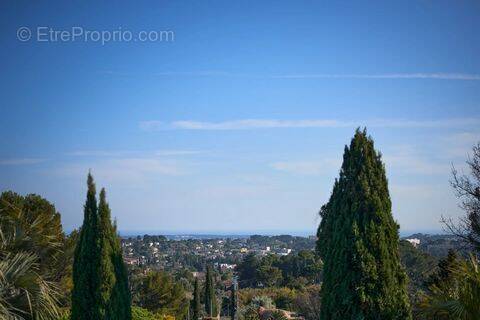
[[200, 73], [319, 167], [220, 73], [20, 161], [435, 76], [131, 153], [126, 170], [420, 205], [257, 123], [406, 160], [414, 190], [152, 125], [399, 160], [244, 124], [177, 152], [460, 144], [98, 153]]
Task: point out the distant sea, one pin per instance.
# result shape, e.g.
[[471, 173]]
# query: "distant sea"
[[178, 235], [244, 234]]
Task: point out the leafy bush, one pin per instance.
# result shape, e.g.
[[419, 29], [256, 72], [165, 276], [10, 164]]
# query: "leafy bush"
[[262, 301], [249, 313], [143, 314], [278, 315], [283, 298]]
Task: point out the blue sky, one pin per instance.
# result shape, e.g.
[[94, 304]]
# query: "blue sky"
[[239, 122]]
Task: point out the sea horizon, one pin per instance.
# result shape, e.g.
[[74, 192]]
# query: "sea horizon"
[[246, 233]]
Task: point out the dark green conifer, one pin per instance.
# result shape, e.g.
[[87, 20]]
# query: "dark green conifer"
[[233, 301], [85, 293], [358, 242], [100, 290], [196, 305], [115, 292], [210, 298]]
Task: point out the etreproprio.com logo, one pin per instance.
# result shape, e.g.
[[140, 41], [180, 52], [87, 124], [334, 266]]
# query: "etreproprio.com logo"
[[81, 34]]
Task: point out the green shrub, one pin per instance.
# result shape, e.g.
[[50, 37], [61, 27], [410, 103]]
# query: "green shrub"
[[142, 314]]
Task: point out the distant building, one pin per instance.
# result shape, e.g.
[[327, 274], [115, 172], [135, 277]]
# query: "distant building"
[[285, 252], [131, 261], [414, 241], [224, 266], [198, 274]]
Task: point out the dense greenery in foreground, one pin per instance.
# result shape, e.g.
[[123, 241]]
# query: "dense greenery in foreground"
[[37, 258], [34, 268]]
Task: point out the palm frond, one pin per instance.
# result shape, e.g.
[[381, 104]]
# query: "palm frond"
[[460, 300]]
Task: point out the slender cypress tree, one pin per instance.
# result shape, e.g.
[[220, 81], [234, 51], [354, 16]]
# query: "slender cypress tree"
[[115, 292], [196, 305], [210, 298], [233, 301], [100, 283], [85, 297], [358, 242]]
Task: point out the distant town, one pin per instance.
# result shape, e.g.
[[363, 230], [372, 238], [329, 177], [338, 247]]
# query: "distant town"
[[193, 252], [226, 251]]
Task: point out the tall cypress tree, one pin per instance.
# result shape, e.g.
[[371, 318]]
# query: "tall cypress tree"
[[196, 305], [100, 290], [115, 292], [358, 242], [233, 301], [86, 277], [210, 298]]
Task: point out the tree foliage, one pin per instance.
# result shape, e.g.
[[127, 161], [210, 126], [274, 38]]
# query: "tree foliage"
[[277, 315], [467, 189], [196, 303], [250, 313], [283, 298], [418, 265], [143, 314], [211, 304], [358, 241], [24, 294], [159, 293], [116, 293], [100, 285], [263, 301], [34, 226], [307, 303], [443, 276], [86, 264], [293, 270], [31, 241], [454, 293], [233, 302], [247, 271]]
